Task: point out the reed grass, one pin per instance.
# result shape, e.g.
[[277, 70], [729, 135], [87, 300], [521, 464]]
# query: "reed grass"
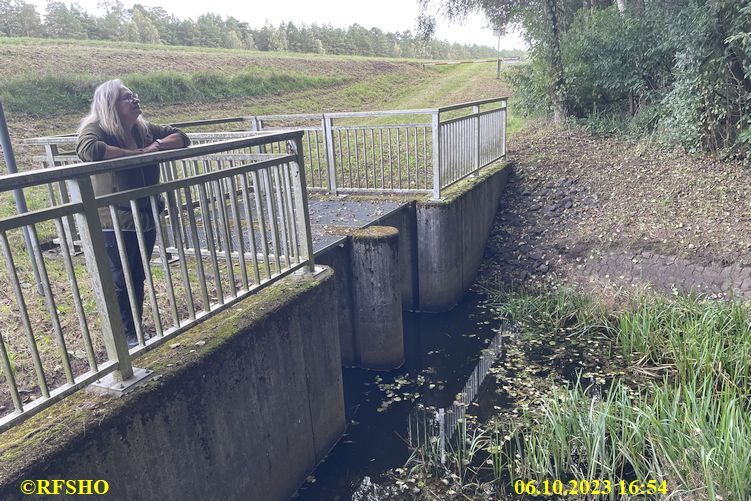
[[688, 424]]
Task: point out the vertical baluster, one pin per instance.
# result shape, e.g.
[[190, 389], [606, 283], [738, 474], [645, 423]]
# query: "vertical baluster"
[[372, 157], [398, 159], [341, 159], [209, 232], [251, 231], [69, 269], [321, 183], [9, 377], [311, 174], [368, 178], [239, 231], [272, 215], [406, 148], [391, 159], [349, 163], [282, 213], [162, 241], [180, 236], [24, 314], [436, 147], [127, 272], [291, 216], [225, 235], [258, 190], [425, 157], [190, 209], [417, 160], [50, 303], [357, 162], [380, 151]]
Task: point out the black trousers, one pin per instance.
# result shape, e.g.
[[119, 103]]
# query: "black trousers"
[[136, 269]]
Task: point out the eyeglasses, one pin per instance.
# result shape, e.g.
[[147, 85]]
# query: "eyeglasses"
[[132, 97]]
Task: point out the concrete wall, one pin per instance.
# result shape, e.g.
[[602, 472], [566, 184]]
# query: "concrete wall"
[[244, 408], [338, 258], [451, 238], [404, 220], [377, 297]]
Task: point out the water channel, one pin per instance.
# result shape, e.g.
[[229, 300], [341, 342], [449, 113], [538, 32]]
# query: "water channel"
[[442, 352]]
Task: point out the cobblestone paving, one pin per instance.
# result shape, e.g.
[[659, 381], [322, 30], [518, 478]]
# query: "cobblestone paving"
[[537, 235], [669, 273]]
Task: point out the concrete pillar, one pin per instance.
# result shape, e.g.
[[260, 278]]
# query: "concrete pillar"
[[376, 288]]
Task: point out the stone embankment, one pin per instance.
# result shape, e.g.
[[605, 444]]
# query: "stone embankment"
[[566, 216]]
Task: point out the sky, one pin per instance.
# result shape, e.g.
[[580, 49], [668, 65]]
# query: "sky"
[[388, 15]]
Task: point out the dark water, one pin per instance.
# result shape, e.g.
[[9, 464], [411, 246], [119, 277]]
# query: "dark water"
[[442, 350]]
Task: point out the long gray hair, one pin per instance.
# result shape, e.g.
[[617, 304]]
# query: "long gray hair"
[[104, 112]]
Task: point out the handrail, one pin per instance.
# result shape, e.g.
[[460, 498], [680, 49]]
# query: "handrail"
[[233, 224], [60, 173], [472, 103], [378, 158]]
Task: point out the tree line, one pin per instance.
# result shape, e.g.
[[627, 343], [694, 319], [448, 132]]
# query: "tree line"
[[678, 70], [154, 25]]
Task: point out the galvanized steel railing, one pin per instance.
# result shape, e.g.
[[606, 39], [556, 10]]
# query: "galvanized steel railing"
[[394, 151], [424, 151], [235, 220]]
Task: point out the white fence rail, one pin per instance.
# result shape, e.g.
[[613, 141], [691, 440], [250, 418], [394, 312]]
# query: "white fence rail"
[[231, 217]]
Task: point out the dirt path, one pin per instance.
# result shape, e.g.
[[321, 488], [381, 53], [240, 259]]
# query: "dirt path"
[[605, 214]]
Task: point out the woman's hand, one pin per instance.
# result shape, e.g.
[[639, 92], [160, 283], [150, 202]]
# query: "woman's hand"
[[150, 148]]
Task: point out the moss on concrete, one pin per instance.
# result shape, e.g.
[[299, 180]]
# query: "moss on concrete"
[[65, 423], [466, 185], [374, 233]]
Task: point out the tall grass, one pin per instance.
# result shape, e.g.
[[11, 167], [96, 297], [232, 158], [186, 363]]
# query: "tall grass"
[[49, 94], [708, 340], [696, 438], [688, 422]]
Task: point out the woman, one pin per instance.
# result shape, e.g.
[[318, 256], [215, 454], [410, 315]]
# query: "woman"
[[115, 128]]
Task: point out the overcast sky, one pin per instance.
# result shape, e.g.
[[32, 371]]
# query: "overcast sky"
[[388, 15]]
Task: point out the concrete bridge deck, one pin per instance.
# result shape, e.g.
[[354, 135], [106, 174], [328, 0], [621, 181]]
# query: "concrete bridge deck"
[[331, 217]]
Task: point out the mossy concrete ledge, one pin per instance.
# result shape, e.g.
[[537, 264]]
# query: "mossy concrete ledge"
[[377, 297], [452, 234], [242, 407]]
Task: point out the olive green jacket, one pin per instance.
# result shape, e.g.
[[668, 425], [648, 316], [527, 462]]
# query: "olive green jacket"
[[92, 142]]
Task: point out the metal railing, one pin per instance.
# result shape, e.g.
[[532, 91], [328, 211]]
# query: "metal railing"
[[395, 151], [235, 220]]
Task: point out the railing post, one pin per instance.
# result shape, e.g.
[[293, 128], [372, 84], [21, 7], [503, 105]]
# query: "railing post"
[[68, 226], [297, 174], [476, 112], [330, 157], [97, 264], [503, 128], [436, 125]]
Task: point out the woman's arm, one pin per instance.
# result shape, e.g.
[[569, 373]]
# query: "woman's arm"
[[170, 142], [92, 148]]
